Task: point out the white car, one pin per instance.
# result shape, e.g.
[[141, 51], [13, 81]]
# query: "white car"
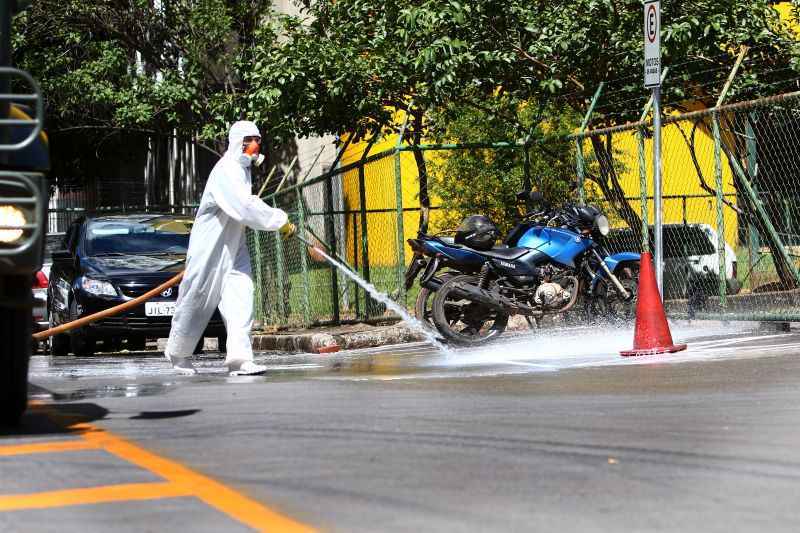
[[691, 261]]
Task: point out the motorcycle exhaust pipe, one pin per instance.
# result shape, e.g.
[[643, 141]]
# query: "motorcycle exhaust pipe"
[[493, 301]]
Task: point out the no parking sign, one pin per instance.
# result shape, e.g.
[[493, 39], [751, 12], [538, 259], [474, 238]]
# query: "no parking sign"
[[652, 43]]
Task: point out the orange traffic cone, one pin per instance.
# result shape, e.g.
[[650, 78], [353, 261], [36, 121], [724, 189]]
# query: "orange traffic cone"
[[651, 335]]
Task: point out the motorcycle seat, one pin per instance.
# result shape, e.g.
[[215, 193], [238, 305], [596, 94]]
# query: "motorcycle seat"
[[498, 251], [507, 253]]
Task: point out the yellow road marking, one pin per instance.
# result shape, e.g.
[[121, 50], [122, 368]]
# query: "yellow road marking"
[[211, 492], [105, 494], [47, 447], [181, 481]]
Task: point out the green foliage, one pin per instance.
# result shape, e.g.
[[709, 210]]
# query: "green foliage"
[[343, 65], [486, 180], [361, 55], [106, 64]]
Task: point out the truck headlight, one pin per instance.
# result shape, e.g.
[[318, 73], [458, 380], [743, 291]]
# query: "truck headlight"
[[11, 216], [97, 287]]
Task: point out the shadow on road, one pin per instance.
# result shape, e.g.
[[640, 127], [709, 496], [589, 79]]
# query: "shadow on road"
[[66, 419], [159, 415]]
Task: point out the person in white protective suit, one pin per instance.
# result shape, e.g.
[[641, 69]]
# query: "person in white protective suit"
[[218, 263]]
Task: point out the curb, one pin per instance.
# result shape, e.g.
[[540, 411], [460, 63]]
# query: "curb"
[[333, 342]]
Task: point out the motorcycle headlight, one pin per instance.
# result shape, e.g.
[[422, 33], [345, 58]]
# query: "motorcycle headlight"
[[97, 287], [601, 225], [11, 216]]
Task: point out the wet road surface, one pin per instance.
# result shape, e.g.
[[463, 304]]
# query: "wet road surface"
[[542, 432]]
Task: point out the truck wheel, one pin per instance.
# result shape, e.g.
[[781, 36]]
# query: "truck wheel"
[[16, 325]]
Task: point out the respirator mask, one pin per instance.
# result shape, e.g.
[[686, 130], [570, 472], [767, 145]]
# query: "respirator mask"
[[253, 150]]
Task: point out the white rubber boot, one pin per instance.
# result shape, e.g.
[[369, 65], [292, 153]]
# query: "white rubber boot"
[[246, 368], [182, 365]]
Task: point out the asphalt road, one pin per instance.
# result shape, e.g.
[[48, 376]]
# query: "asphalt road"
[[550, 432]]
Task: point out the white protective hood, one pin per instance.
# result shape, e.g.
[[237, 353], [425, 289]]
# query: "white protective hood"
[[240, 130]]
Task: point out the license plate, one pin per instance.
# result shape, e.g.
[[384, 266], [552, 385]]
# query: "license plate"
[[159, 308]]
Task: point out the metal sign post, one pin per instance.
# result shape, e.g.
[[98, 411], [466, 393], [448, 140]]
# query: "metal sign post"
[[652, 80]]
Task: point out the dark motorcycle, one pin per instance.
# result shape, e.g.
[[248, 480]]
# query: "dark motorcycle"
[[549, 261]]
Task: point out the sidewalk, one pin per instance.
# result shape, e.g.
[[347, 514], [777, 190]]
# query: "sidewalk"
[[334, 338], [328, 339]]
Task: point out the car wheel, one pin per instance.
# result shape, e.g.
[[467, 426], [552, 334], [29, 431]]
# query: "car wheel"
[[58, 345], [222, 343], [82, 345], [15, 330], [137, 343], [112, 344]]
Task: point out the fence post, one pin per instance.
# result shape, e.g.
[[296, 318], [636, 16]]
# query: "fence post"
[[723, 291], [579, 164], [752, 167], [362, 196], [283, 303], [643, 169], [301, 219], [259, 281], [720, 213], [330, 228], [398, 193], [579, 161], [643, 192], [356, 287]]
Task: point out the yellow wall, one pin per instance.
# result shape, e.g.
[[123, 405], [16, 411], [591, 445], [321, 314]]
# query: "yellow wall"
[[380, 187], [680, 178]]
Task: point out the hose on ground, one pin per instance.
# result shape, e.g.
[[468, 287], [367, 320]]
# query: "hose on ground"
[[63, 328], [69, 326]]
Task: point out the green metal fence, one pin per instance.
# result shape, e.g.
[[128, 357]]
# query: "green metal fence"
[[730, 201], [731, 189]]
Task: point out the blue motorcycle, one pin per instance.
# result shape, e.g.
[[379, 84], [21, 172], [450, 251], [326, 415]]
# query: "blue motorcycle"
[[551, 260]]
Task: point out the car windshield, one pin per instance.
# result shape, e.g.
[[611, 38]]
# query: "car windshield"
[[163, 234], [679, 241]]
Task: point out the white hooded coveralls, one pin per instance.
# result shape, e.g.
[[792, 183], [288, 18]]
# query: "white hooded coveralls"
[[217, 262]]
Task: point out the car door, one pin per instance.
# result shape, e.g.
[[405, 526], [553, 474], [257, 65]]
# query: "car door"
[[63, 272]]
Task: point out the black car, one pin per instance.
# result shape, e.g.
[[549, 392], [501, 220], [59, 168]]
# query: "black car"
[[108, 260]]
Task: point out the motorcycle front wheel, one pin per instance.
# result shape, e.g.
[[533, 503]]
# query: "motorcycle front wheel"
[[612, 306], [462, 321]]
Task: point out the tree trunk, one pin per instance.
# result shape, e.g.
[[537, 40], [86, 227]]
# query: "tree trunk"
[[422, 171]]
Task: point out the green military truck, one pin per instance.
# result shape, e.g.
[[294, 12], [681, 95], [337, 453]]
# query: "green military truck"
[[24, 159]]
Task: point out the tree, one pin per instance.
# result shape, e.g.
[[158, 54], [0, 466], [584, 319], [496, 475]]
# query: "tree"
[[353, 60], [141, 66], [486, 180]]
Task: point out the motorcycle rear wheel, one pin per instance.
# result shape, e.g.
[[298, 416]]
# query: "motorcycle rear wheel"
[[462, 321], [424, 304]]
